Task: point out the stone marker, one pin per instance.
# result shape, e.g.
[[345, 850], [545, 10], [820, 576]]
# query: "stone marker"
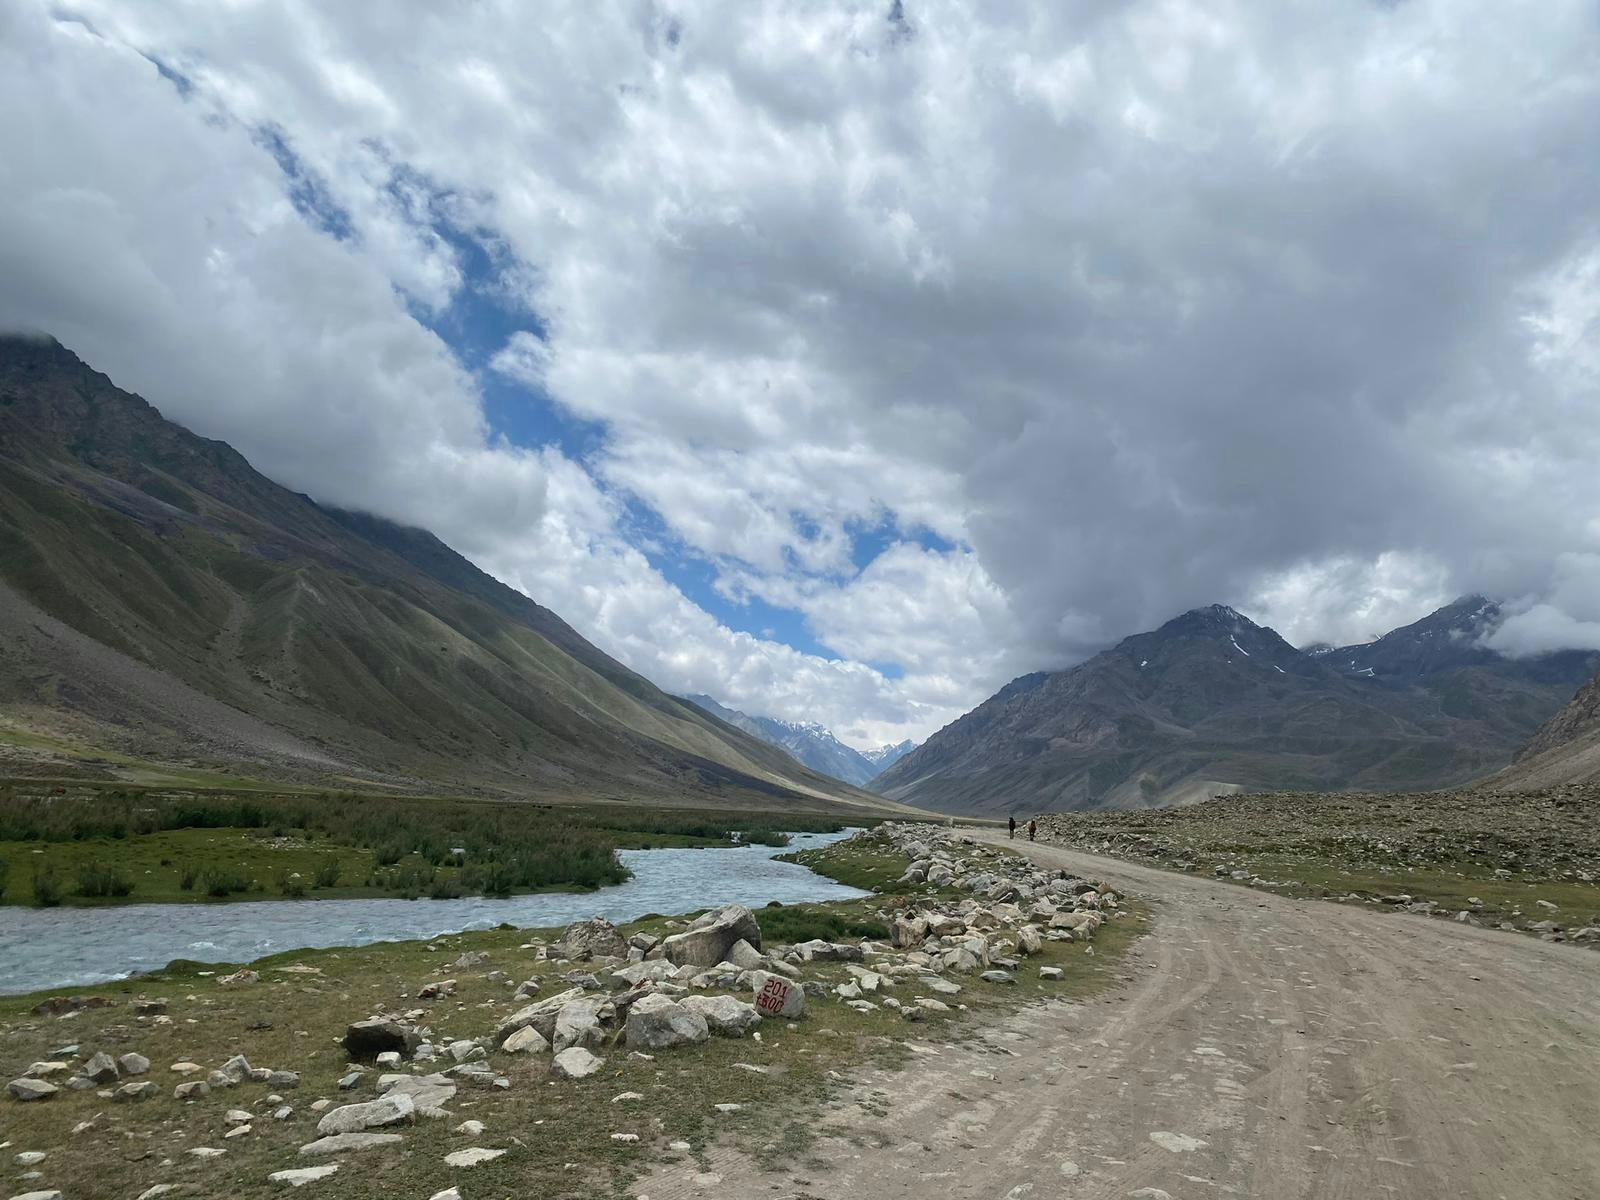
[[776, 996]]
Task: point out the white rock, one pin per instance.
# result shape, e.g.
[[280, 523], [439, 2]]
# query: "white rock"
[[525, 1041], [352, 1118], [471, 1156], [341, 1143], [300, 1176], [656, 1022], [776, 996], [575, 1062]]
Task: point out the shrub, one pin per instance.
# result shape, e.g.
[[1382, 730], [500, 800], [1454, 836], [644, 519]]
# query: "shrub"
[[97, 880], [292, 886], [328, 873], [187, 879], [223, 881], [46, 888]]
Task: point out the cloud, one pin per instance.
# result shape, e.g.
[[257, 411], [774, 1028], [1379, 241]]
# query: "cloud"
[[978, 338]]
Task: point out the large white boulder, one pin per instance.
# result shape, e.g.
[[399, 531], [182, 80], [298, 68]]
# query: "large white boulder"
[[353, 1118], [657, 1022], [710, 936], [724, 1016]]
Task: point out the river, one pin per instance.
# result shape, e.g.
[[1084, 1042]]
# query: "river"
[[70, 947]]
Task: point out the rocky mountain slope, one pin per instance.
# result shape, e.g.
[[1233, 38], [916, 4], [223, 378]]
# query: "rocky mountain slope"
[[1565, 750], [162, 601], [1212, 702], [811, 744]]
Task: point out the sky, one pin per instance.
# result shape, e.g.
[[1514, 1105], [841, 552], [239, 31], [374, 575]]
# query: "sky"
[[845, 360]]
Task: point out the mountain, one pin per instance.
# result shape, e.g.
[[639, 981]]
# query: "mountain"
[[1212, 702], [1566, 749], [885, 757], [810, 743], [163, 606]]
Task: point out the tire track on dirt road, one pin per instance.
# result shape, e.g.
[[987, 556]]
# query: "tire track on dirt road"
[[1260, 1047]]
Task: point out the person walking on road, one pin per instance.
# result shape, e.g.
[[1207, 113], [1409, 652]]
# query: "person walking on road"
[[1032, 828], [1013, 827]]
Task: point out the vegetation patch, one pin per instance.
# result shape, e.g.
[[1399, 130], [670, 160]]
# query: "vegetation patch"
[[91, 844]]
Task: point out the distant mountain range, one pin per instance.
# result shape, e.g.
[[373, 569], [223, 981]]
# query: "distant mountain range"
[[166, 611], [813, 744], [1212, 702]]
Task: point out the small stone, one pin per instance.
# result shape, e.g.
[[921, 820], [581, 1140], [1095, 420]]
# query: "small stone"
[[136, 1091], [133, 1064], [727, 1108], [680, 1147], [629, 1138], [389, 1058], [471, 1156], [185, 1068], [998, 977], [237, 1131], [238, 1116], [50, 1194], [350, 1082], [205, 1152], [526, 1040], [282, 1114], [470, 1128], [1052, 973], [300, 1176], [31, 1089], [284, 1079], [31, 1158], [192, 1090], [626, 1097], [447, 1194]]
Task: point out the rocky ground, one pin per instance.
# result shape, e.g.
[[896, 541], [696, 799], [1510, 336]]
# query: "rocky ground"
[[503, 1064], [1524, 861]]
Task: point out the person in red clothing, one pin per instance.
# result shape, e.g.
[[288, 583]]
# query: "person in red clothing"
[[1033, 827]]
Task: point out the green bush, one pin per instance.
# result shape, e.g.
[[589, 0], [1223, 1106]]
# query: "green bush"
[[189, 877], [224, 881], [803, 923], [292, 886], [328, 873], [98, 881], [46, 888]]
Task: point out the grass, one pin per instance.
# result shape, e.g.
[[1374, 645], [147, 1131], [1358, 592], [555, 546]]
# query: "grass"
[[293, 1017], [166, 845]]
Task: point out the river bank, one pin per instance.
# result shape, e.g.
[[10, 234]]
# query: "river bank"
[[525, 1128]]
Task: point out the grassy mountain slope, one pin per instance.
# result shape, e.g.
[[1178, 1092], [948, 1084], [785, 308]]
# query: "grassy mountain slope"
[[167, 600], [1212, 702]]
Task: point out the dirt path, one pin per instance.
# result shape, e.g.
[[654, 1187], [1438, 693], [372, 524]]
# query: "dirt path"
[[1260, 1047]]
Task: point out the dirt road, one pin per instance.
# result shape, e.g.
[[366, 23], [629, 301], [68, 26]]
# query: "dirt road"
[[1260, 1047]]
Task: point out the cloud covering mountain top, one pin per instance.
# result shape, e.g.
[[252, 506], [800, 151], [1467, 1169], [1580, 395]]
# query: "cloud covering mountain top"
[[846, 360]]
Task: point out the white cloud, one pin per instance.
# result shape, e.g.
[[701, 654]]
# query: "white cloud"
[[1137, 306]]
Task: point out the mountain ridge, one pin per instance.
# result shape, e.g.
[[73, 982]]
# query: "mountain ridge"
[[192, 587], [1212, 702], [811, 743]]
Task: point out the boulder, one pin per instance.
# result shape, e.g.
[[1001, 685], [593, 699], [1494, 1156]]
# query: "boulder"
[[908, 931], [237, 1069], [133, 1064], [724, 1016], [525, 1041], [429, 1093], [578, 1023], [656, 1022], [373, 1114], [821, 951], [283, 1079], [540, 1016], [594, 938], [192, 1090], [575, 1062], [653, 971], [31, 1089], [365, 1040], [339, 1143], [745, 956], [998, 977], [101, 1068], [1029, 941], [777, 996], [710, 936], [136, 1091]]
